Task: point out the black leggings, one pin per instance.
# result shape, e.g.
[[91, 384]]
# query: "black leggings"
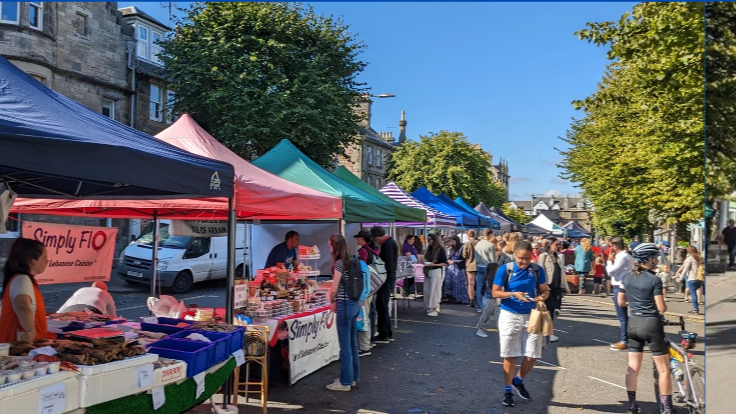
[[644, 331]]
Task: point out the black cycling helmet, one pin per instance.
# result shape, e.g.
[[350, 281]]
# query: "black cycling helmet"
[[645, 251]]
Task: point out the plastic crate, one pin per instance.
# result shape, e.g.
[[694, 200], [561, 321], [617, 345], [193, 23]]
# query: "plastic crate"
[[237, 338], [197, 355], [173, 321], [221, 343], [155, 327]]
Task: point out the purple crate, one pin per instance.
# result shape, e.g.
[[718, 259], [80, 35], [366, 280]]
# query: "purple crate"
[[220, 342], [197, 355]]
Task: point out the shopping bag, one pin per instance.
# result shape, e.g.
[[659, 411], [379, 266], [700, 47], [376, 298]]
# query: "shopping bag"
[[360, 321], [547, 328], [536, 319]]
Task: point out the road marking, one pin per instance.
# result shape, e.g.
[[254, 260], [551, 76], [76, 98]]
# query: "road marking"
[[560, 330], [552, 365], [145, 306], [609, 383], [445, 324], [598, 340], [537, 367]]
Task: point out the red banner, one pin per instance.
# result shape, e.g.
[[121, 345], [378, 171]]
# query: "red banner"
[[75, 253]]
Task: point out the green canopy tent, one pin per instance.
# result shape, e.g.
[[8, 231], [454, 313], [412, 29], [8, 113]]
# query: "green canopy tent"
[[404, 214], [286, 161]]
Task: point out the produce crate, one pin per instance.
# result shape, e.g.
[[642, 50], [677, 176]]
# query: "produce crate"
[[173, 321], [221, 343], [155, 327], [236, 339], [197, 355]]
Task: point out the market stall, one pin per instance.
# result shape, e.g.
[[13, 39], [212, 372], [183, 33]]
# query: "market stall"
[[507, 224], [575, 230], [463, 219], [493, 224]]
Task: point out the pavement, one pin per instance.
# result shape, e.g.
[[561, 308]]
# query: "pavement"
[[439, 366], [721, 332]]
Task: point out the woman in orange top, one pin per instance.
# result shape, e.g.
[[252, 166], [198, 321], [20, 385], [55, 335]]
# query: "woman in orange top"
[[23, 314]]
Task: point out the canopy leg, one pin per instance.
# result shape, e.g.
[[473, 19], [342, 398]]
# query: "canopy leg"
[[154, 254]]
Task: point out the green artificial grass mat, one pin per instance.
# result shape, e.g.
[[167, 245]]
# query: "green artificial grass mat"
[[179, 398]]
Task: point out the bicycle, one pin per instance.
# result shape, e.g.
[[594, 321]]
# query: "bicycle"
[[690, 381]]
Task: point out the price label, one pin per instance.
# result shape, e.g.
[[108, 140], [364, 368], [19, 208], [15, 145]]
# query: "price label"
[[199, 380], [150, 319], [239, 357], [145, 375], [159, 397], [53, 399]]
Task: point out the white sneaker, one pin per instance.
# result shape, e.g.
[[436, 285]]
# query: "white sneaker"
[[481, 333], [553, 338], [337, 386], [432, 314]]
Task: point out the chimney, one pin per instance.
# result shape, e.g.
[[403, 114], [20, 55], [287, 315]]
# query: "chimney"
[[388, 137], [531, 208], [402, 128], [364, 110]]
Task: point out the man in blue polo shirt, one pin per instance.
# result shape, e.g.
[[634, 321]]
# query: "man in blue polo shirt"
[[286, 252], [520, 284]]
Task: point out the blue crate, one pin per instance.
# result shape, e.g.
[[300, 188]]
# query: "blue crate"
[[154, 327], [236, 339], [173, 321], [197, 355], [220, 342]]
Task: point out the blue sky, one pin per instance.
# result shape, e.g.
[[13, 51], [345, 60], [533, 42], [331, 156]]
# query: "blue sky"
[[503, 74]]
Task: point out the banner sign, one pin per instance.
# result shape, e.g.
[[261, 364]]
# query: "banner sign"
[[312, 344], [198, 228], [75, 253]]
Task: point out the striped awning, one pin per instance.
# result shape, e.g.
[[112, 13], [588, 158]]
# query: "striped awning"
[[434, 217]]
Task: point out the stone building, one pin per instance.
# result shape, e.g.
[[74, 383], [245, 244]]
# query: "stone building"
[[368, 158], [499, 171], [560, 210], [100, 57]]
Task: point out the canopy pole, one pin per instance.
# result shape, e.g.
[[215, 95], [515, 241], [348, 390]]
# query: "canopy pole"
[[154, 258], [246, 256], [232, 226], [341, 227]]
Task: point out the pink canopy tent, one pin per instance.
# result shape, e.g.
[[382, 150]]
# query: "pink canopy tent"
[[258, 193]]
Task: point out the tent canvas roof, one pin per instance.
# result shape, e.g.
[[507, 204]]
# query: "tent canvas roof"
[[576, 230], [54, 147], [434, 217], [532, 228], [463, 219], [547, 224], [493, 224], [286, 161], [404, 214], [258, 193]]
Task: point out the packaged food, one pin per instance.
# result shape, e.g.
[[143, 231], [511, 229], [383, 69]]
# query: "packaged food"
[[3, 377], [54, 367], [4, 349], [14, 376], [28, 373], [41, 370]]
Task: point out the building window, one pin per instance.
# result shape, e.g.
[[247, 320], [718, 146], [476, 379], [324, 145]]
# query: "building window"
[[148, 43], [378, 182], [9, 12], [82, 24], [379, 157], [155, 103], [108, 108], [171, 116], [370, 155], [35, 15], [142, 42], [39, 78]]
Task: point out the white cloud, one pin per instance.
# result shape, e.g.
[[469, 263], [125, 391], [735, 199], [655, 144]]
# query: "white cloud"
[[517, 180], [550, 193], [558, 180]]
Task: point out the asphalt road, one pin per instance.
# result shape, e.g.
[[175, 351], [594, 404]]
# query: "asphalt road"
[[721, 333], [438, 365]]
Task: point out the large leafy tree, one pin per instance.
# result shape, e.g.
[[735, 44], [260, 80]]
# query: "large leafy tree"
[[638, 151], [721, 103], [446, 162], [255, 73]]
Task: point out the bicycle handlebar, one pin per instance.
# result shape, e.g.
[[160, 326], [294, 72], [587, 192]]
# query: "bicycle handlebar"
[[680, 323]]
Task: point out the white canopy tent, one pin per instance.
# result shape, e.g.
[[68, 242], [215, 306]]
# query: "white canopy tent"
[[547, 224]]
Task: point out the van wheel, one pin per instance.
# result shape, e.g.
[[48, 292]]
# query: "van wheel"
[[239, 271], [182, 283]]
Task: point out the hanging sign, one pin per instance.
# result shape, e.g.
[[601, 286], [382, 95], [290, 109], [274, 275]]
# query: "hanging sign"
[[198, 228], [312, 344], [75, 253]]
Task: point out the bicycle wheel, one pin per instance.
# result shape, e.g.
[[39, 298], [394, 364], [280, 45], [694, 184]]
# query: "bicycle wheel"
[[697, 388]]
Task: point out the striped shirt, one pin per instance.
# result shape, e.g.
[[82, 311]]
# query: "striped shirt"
[[340, 267]]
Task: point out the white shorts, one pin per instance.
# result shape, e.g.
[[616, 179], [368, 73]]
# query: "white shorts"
[[515, 340]]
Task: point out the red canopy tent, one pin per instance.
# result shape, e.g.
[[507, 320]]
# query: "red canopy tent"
[[258, 193]]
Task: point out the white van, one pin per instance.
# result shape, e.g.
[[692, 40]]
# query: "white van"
[[183, 261]]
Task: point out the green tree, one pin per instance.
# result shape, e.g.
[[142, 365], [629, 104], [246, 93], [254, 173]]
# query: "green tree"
[[446, 162], [638, 151], [253, 74], [721, 103], [515, 214]]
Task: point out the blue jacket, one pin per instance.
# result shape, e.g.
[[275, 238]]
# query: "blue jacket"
[[583, 259]]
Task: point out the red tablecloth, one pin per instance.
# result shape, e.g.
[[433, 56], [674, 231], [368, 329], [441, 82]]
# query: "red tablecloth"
[[273, 324]]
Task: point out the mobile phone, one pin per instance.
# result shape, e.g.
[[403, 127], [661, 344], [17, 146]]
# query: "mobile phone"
[[525, 296]]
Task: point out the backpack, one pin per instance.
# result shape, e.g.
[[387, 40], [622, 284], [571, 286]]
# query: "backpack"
[[510, 271], [354, 281], [377, 274]]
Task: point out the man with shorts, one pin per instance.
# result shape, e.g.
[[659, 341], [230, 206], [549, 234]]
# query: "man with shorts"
[[520, 284]]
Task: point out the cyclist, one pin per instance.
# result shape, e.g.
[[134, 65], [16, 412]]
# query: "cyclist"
[[642, 293]]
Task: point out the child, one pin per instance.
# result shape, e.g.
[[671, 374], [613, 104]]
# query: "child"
[[666, 277], [598, 276]]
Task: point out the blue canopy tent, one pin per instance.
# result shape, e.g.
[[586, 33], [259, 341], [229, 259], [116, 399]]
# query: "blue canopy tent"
[[482, 221], [463, 218], [575, 230], [493, 224]]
